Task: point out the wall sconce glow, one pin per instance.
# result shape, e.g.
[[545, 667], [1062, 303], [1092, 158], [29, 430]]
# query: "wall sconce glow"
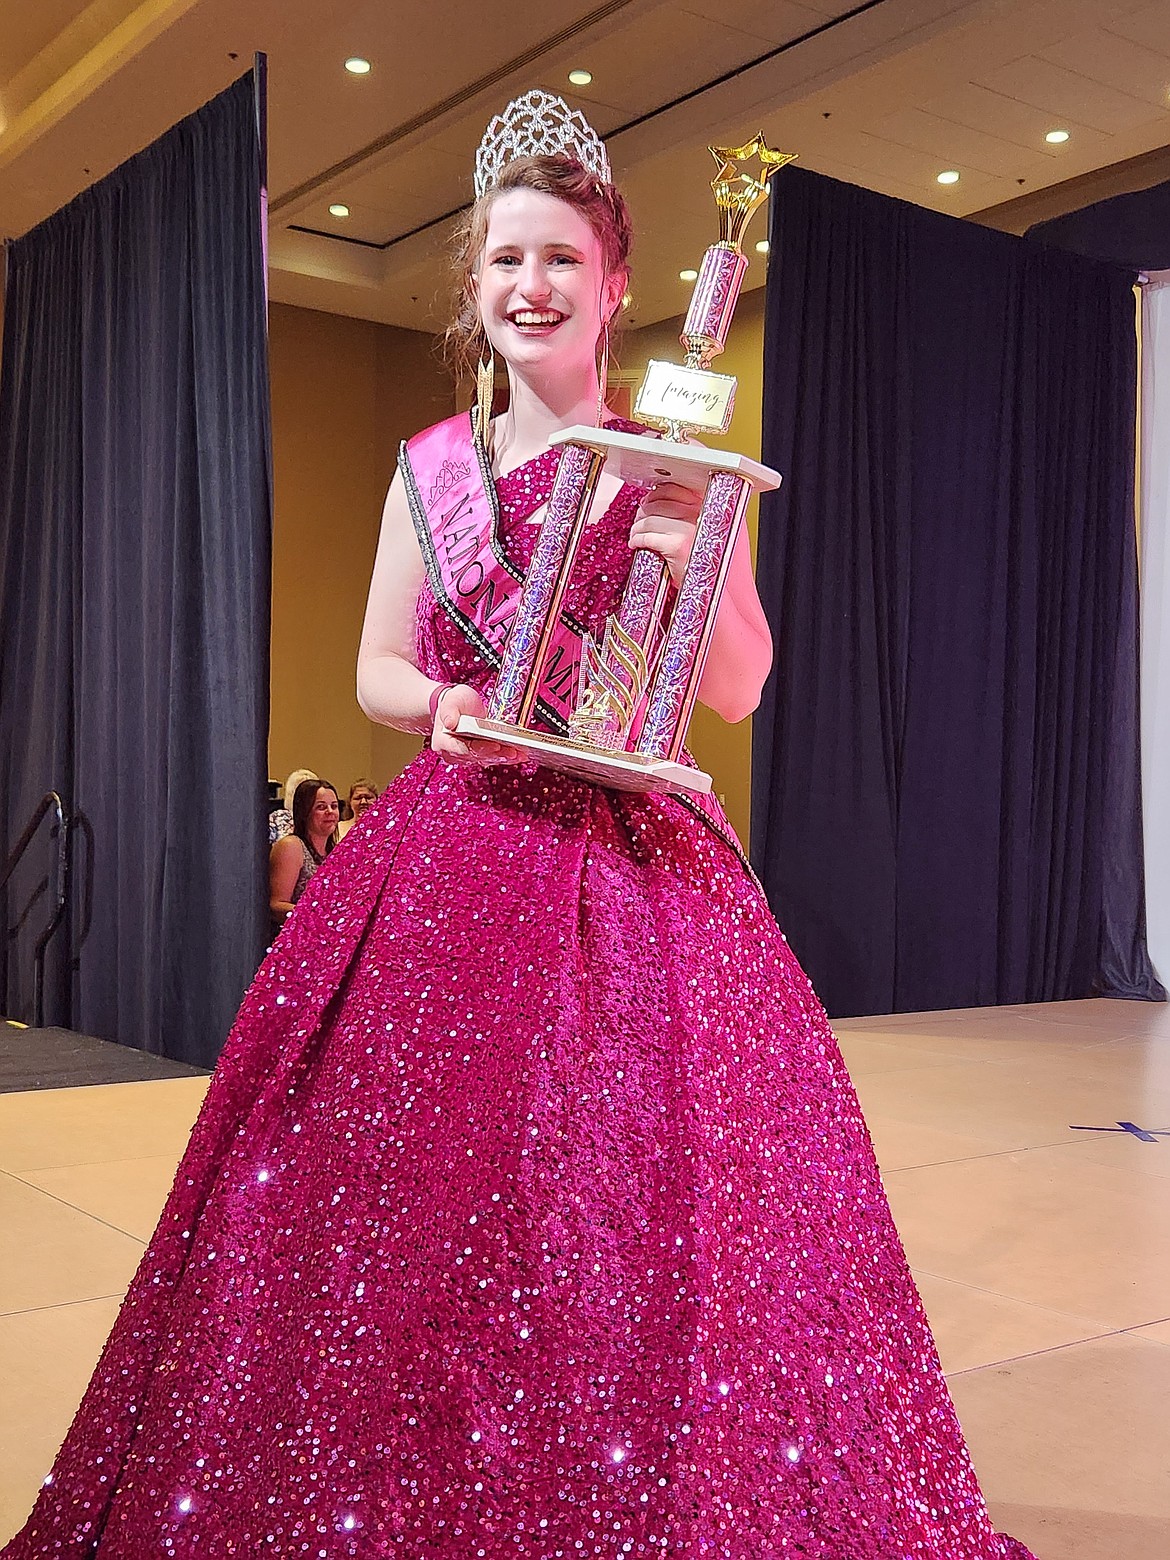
[[1056, 137], [948, 176], [338, 210], [580, 78], [688, 276], [357, 66], [762, 247]]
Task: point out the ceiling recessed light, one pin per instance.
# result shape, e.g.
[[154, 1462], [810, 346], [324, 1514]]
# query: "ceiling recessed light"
[[948, 176], [688, 276], [762, 247], [1055, 137], [357, 66], [580, 78], [338, 210]]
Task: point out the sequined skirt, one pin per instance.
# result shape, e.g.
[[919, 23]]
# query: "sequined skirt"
[[530, 1214]]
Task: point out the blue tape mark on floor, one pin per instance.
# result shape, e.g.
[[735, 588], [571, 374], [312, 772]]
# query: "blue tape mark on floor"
[[1144, 1134]]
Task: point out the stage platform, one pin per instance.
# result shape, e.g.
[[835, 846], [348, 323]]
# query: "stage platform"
[[1026, 1152], [62, 1059]]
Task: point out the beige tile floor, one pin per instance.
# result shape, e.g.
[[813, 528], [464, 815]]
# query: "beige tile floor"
[[1042, 1253]]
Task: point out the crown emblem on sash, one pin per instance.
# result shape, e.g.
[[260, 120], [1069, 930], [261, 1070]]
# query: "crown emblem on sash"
[[448, 474]]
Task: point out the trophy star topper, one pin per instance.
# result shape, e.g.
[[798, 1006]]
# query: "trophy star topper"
[[737, 191], [539, 124]]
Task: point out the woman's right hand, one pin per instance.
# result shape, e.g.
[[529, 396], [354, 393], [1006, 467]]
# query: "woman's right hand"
[[453, 703]]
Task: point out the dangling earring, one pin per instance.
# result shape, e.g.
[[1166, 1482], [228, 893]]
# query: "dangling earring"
[[603, 373], [485, 390]]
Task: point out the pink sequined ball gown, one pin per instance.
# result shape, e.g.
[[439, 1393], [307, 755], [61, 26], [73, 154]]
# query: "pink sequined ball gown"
[[530, 1216]]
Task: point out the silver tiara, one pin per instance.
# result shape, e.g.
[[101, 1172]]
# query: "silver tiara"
[[539, 124]]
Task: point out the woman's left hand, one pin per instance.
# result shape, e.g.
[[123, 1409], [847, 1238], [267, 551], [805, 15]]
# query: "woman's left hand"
[[665, 524]]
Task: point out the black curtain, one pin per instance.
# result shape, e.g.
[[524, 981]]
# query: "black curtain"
[[1131, 230], [945, 797], [135, 524]]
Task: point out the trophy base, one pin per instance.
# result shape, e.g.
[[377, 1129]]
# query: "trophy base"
[[619, 771], [646, 459]]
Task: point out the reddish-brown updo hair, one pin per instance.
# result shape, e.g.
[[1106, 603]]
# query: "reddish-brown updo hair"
[[602, 206]]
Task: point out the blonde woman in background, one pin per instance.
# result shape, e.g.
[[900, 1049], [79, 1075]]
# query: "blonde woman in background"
[[362, 796]]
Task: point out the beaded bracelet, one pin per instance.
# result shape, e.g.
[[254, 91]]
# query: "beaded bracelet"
[[436, 694]]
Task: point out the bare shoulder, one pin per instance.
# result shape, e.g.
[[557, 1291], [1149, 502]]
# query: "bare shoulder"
[[397, 578], [397, 504]]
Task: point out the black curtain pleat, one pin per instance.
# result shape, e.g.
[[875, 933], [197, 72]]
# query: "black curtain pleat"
[[945, 796], [135, 534]]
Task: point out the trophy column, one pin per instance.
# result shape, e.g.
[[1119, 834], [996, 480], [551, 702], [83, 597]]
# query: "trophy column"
[[692, 622], [644, 599], [544, 585]]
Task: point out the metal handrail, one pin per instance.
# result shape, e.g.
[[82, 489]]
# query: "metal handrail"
[[49, 803]]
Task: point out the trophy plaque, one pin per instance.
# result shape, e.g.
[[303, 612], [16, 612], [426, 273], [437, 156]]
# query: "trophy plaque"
[[638, 682]]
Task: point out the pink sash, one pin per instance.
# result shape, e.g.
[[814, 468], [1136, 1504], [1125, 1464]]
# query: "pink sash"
[[456, 514]]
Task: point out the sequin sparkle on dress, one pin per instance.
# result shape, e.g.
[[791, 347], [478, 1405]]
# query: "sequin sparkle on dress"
[[530, 1216]]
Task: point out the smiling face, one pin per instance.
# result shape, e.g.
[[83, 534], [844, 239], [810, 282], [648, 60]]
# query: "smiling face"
[[324, 813], [541, 284]]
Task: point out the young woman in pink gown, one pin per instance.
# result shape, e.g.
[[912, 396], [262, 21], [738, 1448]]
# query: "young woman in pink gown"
[[531, 1214]]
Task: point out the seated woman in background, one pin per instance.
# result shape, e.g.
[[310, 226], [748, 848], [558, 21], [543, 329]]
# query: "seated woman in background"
[[293, 860], [280, 819], [362, 796]]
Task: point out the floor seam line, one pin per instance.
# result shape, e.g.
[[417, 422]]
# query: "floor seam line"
[[1031, 1354], [60, 1305], [85, 1213]]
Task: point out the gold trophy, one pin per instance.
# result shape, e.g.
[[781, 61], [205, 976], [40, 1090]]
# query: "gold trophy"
[[637, 685]]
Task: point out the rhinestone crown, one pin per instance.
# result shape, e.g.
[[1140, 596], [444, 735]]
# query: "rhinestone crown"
[[539, 124]]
